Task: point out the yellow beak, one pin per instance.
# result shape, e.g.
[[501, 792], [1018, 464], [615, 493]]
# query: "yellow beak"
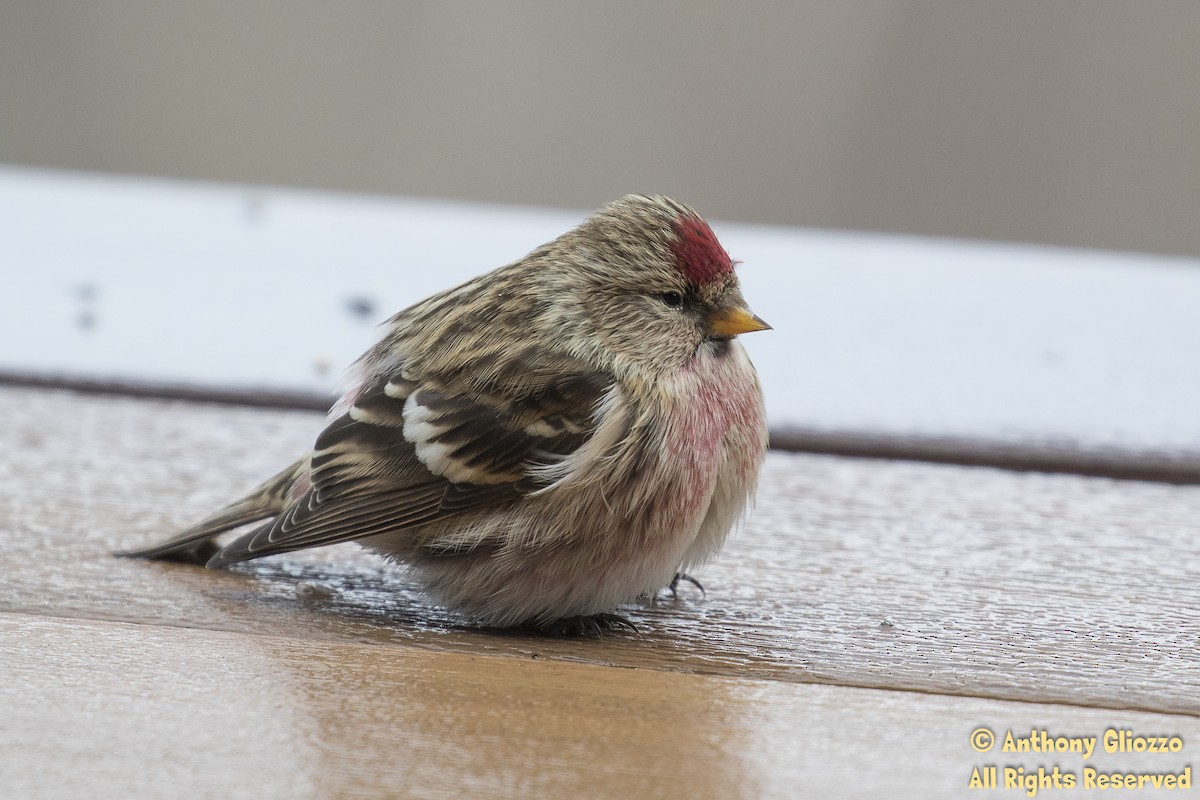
[[731, 322]]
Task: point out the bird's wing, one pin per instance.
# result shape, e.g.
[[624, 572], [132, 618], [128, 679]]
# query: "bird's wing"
[[412, 450]]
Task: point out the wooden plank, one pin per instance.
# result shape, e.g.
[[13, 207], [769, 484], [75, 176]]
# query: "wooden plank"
[[137, 711], [878, 574], [939, 349]]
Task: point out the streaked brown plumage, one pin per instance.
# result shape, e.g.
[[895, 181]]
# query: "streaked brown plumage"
[[543, 442]]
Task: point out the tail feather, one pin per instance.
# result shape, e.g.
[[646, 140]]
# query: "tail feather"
[[194, 544]]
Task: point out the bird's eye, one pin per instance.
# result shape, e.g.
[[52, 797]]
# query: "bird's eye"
[[672, 299]]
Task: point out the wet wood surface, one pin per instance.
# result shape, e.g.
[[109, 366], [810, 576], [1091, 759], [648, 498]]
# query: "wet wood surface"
[[868, 617]]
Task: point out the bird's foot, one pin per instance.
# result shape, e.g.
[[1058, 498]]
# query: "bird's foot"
[[591, 625], [683, 577]]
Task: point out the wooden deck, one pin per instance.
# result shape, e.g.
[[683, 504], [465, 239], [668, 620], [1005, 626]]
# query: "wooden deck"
[[878, 608], [869, 617]]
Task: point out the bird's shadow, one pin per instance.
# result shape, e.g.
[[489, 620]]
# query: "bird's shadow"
[[365, 597]]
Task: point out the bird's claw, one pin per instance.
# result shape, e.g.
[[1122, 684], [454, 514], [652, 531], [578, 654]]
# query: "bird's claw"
[[683, 577]]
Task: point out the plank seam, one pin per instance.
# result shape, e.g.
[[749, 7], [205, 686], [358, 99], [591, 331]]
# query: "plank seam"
[[1179, 467]]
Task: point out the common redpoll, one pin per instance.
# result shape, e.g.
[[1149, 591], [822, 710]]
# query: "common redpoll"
[[544, 442]]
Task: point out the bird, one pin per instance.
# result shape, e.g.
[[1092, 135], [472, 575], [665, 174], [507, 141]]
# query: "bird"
[[542, 443]]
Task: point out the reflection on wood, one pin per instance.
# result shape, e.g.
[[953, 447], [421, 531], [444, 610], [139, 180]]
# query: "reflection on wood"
[[137, 711]]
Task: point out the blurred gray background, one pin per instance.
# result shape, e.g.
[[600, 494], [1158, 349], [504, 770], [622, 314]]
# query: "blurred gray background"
[[1075, 122]]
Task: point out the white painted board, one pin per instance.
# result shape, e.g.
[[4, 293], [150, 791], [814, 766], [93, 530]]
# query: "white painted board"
[[238, 287]]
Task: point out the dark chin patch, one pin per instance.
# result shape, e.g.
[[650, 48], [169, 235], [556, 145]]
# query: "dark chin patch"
[[697, 252], [718, 346]]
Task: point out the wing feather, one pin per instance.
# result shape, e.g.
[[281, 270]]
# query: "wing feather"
[[411, 451]]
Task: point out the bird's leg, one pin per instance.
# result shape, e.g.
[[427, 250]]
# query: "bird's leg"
[[591, 625]]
